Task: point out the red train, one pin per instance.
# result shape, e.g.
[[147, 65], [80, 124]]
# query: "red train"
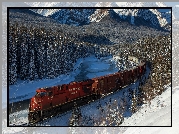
[[52, 100]]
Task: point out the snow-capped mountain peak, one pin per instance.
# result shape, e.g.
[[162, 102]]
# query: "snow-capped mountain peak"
[[153, 16], [98, 15]]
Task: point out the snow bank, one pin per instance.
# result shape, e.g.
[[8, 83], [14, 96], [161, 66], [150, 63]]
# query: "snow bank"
[[158, 113]]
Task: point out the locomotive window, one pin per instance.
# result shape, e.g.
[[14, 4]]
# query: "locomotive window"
[[42, 94], [37, 94]]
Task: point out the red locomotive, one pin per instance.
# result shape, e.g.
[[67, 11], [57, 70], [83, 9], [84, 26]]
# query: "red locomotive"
[[52, 100]]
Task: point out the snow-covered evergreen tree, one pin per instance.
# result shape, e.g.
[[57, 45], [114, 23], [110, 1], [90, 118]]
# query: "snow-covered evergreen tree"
[[50, 65], [32, 70], [12, 58], [76, 118], [134, 102], [24, 59]]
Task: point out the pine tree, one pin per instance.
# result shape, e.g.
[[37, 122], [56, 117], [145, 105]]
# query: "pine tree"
[[134, 102], [76, 118]]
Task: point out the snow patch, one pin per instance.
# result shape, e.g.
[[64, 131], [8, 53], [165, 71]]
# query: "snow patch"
[[159, 109]]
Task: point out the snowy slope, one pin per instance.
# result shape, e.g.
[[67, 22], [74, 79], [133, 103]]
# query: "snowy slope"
[[45, 12], [97, 15], [48, 12], [73, 16], [163, 118], [159, 108], [78, 17], [151, 15]]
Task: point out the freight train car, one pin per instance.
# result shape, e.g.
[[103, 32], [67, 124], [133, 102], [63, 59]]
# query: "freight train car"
[[53, 100]]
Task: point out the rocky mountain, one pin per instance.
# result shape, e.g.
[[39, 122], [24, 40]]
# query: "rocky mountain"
[[154, 17], [151, 16], [73, 16], [44, 12], [95, 4], [147, 17], [167, 15], [133, 16]]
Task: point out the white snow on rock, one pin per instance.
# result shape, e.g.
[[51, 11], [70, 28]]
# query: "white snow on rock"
[[96, 17], [145, 14]]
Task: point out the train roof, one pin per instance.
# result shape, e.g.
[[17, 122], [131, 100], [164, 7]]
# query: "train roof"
[[86, 80], [46, 89], [41, 90]]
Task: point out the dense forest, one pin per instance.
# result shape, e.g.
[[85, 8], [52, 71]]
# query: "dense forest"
[[39, 53]]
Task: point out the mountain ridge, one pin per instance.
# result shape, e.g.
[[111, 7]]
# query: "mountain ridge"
[[84, 16]]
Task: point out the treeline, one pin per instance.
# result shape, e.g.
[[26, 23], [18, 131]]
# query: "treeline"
[[157, 51], [37, 53]]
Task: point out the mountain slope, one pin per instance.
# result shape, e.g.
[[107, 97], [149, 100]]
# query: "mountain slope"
[[47, 12], [73, 16], [147, 17], [158, 18], [136, 16]]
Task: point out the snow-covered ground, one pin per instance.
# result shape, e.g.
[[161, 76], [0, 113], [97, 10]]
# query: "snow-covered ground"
[[159, 107], [157, 115]]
